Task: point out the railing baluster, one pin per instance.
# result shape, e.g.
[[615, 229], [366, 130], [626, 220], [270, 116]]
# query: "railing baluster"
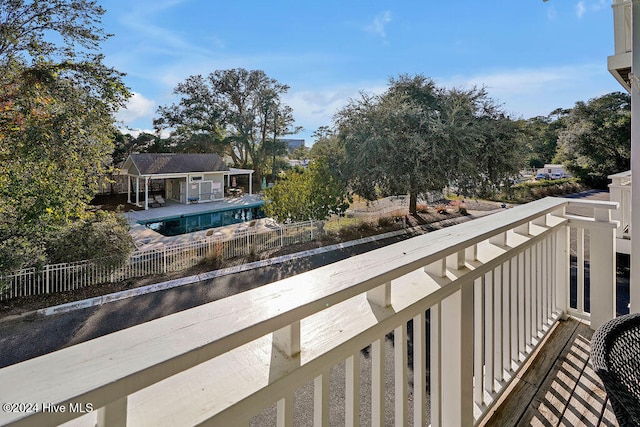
[[321, 400], [497, 324], [400, 368], [478, 354], [435, 354], [419, 370], [527, 297], [580, 269], [352, 391], [489, 339], [284, 408], [377, 382]]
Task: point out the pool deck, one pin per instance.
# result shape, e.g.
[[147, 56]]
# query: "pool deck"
[[146, 238]]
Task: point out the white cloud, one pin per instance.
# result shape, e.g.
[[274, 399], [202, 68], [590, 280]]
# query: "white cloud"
[[534, 92], [138, 107], [580, 9], [315, 108], [379, 23]]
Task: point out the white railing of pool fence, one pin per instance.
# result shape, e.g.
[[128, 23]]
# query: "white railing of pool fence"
[[482, 294], [156, 260]]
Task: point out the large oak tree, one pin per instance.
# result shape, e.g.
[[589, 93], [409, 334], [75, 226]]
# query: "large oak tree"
[[417, 137]]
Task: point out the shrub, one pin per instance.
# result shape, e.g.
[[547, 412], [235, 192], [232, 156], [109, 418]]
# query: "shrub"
[[441, 209], [462, 208], [422, 208], [385, 221], [214, 258], [101, 236]]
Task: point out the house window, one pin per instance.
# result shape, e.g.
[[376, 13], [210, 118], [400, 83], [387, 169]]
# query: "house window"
[[196, 178]]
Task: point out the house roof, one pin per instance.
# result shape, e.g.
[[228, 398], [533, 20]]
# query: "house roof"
[[171, 163]]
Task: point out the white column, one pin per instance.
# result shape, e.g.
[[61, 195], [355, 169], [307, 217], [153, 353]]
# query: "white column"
[[635, 160], [146, 193], [128, 189], [250, 182], [137, 191]]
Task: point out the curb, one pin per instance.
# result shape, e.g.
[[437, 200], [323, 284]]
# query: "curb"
[[130, 293]]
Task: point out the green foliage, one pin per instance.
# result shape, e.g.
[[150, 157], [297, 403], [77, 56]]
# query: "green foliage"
[[597, 139], [235, 111], [540, 136], [57, 101], [103, 236], [417, 138], [534, 190], [311, 194]]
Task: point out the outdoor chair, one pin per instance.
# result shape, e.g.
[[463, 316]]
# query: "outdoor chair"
[[159, 200], [615, 354]]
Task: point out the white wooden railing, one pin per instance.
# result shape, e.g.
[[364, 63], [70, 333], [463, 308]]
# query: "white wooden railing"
[[156, 259], [480, 296], [620, 192]]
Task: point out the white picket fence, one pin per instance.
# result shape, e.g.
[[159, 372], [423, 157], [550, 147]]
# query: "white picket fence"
[[157, 260]]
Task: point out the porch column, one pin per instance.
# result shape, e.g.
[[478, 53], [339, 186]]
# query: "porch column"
[[128, 188], [634, 284], [250, 181], [137, 191], [146, 193]]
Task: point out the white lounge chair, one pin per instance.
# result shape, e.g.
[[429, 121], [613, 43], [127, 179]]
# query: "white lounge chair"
[[159, 200]]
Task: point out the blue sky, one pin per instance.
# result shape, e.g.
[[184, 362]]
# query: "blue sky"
[[532, 56]]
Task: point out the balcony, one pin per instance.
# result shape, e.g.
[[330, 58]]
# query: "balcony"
[[619, 64], [437, 329]]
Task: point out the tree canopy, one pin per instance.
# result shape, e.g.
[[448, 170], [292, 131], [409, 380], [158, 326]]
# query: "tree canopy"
[[304, 194], [417, 137], [596, 141], [57, 101], [238, 112]]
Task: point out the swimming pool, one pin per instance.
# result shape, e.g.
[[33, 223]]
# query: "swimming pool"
[[183, 224]]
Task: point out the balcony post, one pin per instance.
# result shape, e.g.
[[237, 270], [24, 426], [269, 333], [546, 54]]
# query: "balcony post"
[[602, 264], [114, 414], [562, 269], [287, 339], [455, 323], [635, 158]]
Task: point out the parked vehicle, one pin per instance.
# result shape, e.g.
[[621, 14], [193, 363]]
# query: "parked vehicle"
[[541, 176], [556, 175]]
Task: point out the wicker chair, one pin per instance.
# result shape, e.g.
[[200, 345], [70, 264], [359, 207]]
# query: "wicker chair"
[[615, 354]]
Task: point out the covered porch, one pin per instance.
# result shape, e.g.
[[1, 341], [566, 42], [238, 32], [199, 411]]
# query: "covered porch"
[[153, 178]]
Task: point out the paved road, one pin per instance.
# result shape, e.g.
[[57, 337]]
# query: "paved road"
[[26, 338]]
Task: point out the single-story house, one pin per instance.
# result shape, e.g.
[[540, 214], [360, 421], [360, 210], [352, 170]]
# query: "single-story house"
[[188, 178]]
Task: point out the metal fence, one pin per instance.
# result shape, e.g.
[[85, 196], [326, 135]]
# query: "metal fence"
[[156, 260]]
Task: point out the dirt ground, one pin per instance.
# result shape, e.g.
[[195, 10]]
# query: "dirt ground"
[[118, 203]]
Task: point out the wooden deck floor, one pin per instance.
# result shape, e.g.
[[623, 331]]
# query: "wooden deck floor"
[[560, 387]]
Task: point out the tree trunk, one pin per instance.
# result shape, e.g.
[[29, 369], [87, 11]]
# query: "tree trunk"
[[413, 201]]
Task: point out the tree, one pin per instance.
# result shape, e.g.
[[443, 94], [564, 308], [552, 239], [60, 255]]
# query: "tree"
[[417, 137], [540, 136], [238, 110], [57, 101], [302, 195], [329, 146], [596, 142], [195, 122]]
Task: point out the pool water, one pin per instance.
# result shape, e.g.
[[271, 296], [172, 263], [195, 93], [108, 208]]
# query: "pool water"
[[183, 224]]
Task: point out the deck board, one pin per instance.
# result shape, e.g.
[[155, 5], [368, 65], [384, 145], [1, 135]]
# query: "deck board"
[[560, 387]]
